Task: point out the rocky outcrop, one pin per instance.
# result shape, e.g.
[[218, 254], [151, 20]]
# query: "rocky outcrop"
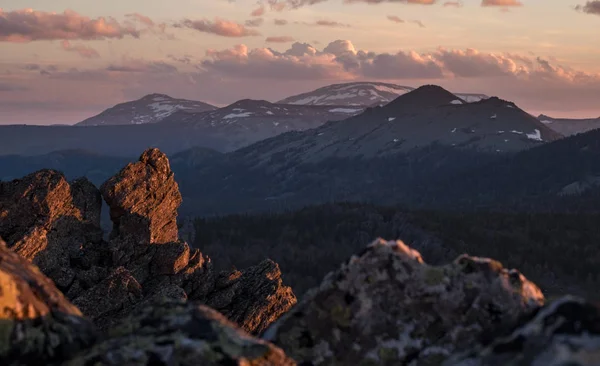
[[57, 226], [36, 321], [387, 307], [49, 221], [254, 298], [180, 333], [143, 199], [565, 332], [38, 325]]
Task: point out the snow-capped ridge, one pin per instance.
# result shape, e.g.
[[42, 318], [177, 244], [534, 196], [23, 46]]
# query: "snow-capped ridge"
[[151, 108]]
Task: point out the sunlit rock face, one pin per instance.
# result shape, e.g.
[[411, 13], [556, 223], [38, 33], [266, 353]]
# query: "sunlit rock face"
[[37, 323], [387, 307]]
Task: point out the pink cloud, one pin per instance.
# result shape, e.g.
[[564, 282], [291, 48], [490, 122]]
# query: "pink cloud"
[[501, 3], [395, 19], [30, 25], [279, 39], [280, 22], [219, 27], [82, 50], [258, 12], [257, 22], [455, 4]]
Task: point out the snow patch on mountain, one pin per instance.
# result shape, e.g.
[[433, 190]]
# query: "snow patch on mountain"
[[537, 135]]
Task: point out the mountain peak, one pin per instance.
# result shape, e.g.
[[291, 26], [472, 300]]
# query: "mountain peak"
[[426, 96], [156, 96]]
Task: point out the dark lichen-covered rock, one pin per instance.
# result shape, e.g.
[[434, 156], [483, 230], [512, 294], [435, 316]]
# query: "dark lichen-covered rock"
[[46, 220], [255, 298], [143, 199], [105, 302], [179, 333], [564, 332], [387, 307], [37, 324]]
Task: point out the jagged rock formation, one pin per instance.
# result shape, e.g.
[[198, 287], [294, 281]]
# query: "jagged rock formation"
[[387, 307], [38, 325], [565, 332], [36, 321], [49, 221], [179, 333], [57, 226]]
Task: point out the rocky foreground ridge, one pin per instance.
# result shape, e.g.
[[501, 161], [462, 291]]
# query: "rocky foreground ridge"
[[143, 297]]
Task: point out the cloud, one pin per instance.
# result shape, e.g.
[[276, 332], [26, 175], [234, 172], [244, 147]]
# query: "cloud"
[[8, 87], [280, 22], [590, 7], [254, 22], [417, 22], [30, 25], [325, 23], [395, 19], [258, 12], [279, 39], [218, 27], [140, 66], [141, 18], [341, 60], [338, 60], [455, 4], [279, 5], [82, 50], [501, 3]]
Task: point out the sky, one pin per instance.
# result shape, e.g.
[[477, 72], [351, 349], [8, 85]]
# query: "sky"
[[62, 61]]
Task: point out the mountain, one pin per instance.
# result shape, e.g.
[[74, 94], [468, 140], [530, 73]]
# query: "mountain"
[[568, 126], [360, 94], [259, 116], [224, 129], [381, 155], [149, 109], [427, 115], [74, 163], [403, 152], [560, 176]]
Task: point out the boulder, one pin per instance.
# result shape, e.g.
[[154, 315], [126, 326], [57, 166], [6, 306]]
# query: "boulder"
[[143, 199], [387, 307], [37, 323], [255, 298], [180, 333], [48, 221], [564, 332]]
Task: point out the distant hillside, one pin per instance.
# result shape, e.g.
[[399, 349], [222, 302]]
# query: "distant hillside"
[[152, 108], [570, 126], [381, 155], [554, 250]]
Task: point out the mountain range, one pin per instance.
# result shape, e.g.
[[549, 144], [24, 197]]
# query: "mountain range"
[[345, 99], [570, 126], [428, 148], [364, 94]]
